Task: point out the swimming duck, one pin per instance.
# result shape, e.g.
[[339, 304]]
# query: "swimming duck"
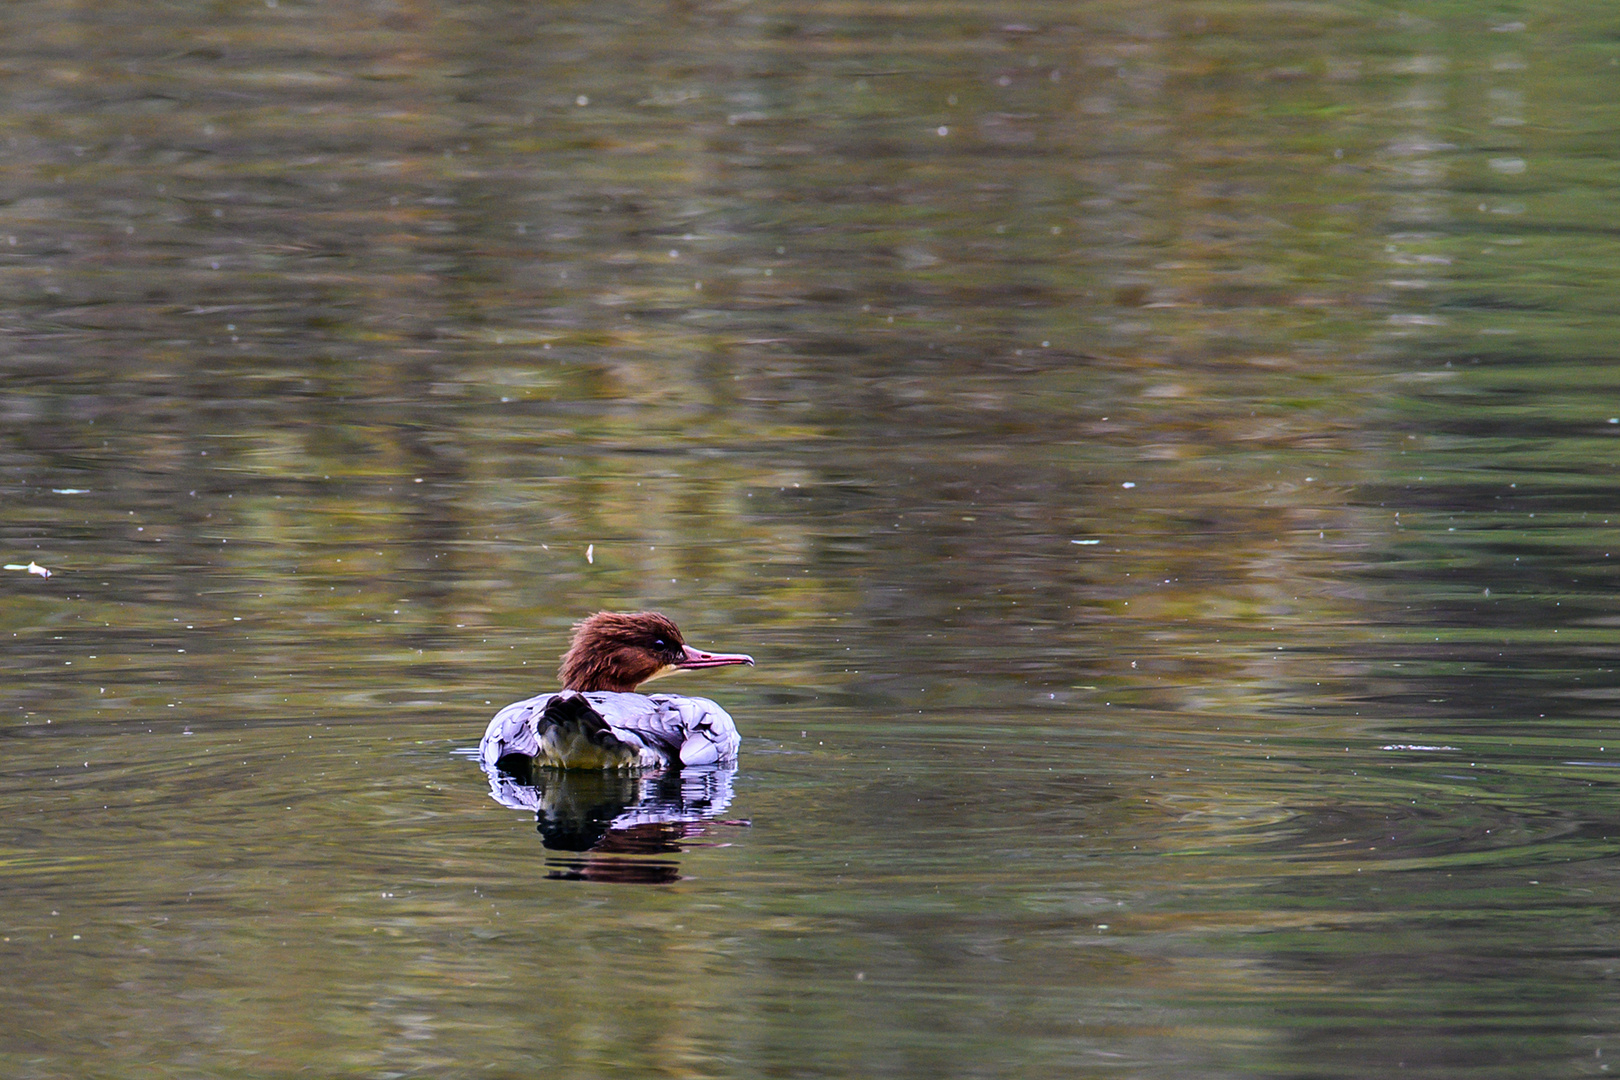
[[598, 721]]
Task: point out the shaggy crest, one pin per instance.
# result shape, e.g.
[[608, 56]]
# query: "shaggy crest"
[[620, 650]]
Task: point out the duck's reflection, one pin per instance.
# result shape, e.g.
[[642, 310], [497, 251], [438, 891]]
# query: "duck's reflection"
[[615, 821]]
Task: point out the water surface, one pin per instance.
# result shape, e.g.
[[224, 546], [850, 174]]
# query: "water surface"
[[1162, 457]]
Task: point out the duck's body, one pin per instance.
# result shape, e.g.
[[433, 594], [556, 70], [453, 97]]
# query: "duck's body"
[[598, 721], [641, 730]]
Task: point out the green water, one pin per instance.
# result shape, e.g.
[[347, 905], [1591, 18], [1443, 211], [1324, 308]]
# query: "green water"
[[1162, 456]]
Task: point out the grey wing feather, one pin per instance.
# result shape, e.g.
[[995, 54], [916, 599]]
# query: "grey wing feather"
[[708, 736], [512, 730], [691, 730], [638, 720]]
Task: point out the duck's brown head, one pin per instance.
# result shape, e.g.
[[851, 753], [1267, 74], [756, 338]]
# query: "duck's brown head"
[[621, 650]]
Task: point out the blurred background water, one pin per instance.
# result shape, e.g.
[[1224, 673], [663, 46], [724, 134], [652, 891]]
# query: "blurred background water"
[[1162, 456]]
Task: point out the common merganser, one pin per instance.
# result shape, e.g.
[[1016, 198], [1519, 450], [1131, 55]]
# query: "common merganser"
[[598, 721]]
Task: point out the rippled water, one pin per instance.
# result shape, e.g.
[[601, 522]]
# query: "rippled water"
[[1162, 456]]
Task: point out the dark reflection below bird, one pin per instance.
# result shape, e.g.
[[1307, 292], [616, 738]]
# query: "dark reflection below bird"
[[613, 819], [598, 721]]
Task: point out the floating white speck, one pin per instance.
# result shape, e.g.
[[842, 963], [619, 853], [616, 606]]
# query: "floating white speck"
[[582, 101], [590, 554], [86, 491], [1414, 746], [1083, 542], [942, 130], [1128, 484], [31, 566]]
